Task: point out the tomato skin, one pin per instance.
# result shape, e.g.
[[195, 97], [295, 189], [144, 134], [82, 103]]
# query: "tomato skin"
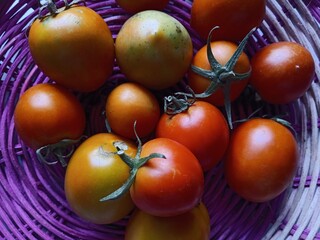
[[91, 175], [154, 49], [222, 51], [142, 5], [75, 48], [171, 186], [130, 102], [202, 128], [234, 18], [282, 72], [262, 159], [48, 113], [194, 224]]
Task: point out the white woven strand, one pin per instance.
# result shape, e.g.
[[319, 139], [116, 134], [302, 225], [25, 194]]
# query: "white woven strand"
[[309, 205]]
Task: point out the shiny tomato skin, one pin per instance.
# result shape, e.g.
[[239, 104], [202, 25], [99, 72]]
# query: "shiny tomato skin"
[[75, 48], [235, 18], [93, 172], [48, 113], [192, 225], [153, 49], [202, 128], [282, 72], [130, 102], [170, 186], [262, 159], [142, 5], [222, 51]]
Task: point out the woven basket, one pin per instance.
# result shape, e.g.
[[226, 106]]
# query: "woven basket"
[[32, 201]]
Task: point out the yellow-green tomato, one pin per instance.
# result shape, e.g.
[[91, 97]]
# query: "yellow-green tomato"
[[154, 49], [192, 225], [95, 171]]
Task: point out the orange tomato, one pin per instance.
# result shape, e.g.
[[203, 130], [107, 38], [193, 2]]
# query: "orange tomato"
[[235, 18], [141, 5], [74, 47]]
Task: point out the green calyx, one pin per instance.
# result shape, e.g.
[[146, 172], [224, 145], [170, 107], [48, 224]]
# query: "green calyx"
[[61, 151], [52, 7], [221, 76], [133, 163]]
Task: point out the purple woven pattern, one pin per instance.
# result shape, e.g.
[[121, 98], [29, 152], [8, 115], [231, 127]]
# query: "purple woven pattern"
[[32, 201]]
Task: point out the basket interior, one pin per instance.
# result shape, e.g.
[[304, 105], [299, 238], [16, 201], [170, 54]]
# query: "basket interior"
[[33, 205]]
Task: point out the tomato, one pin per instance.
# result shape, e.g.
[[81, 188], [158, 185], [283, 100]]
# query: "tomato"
[[282, 72], [262, 159], [202, 128], [168, 186], [130, 102], [141, 5], [46, 114], [235, 18], [74, 47], [153, 49], [192, 225], [222, 51], [95, 170]]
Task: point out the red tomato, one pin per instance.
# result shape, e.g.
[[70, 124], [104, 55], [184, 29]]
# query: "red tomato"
[[74, 47], [192, 225], [202, 128], [262, 159], [235, 18], [170, 186], [46, 114], [141, 5], [94, 171], [154, 49], [222, 51], [282, 72], [130, 102]]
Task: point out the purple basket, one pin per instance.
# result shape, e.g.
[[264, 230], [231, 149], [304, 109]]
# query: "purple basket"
[[33, 204]]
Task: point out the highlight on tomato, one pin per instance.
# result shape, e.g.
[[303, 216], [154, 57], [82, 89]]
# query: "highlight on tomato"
[[96, 170], [73, 46], [192, 225], [198, 125], [128, 103], [153, 49], [49, 116], [142, 5], [261, 160], [166, 178], [235, 18], [282, 72]]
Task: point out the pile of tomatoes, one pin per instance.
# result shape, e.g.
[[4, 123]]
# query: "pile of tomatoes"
[[154, 160]]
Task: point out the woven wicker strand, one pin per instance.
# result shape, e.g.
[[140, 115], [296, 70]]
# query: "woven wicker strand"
[[32, 201]]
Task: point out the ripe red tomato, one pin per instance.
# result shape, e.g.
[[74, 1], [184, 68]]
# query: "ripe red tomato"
[[168, 186], [74, 47], [130, 102], [222, 51], [202, 128], [235, 18], [282, 72], [262, 159], [141, 5], [46, 114], [192, 225], [154, 49], [95, 170]]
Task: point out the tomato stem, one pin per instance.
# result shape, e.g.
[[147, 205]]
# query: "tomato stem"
[[174, 105], [133, 163], [221, 76], [61, 150]]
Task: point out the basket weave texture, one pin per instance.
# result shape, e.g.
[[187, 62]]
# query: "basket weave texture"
[[32, 201]]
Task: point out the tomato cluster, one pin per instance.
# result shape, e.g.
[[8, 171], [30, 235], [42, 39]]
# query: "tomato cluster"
[[154, 160]]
